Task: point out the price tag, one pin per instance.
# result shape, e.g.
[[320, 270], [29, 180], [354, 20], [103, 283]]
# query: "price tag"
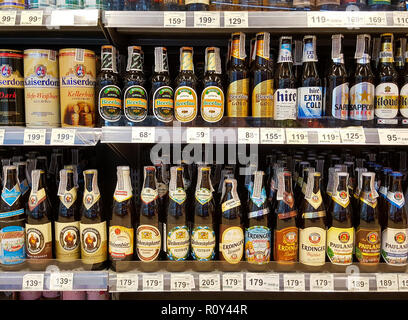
[[173, 19], [127, 282], [400, 18], [403, 282], [2, 133], [393, 136], [34, 137], [180, 282], [143, 134], [377, 18], [297, 136], [33, 282], [353, 135], [387, 282], [262, 282], [328, 136], [356, 283], [236, 19], [8, 18], [62, 18], [322, 282], [272, 135], [294, 282], [209, 282], [61, 281], [206, 19], [63, 136], [153, 282], [248, 135], [198, 135], [233, 282], [325, 19], [31, 17], [354, 19]]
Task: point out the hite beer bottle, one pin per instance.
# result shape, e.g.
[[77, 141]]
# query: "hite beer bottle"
[[394, 245], [404, 87]]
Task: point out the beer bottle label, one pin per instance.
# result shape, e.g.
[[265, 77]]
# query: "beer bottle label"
[[340, 245], [312, 246], [35, 199], [309, 102], [340, 101], [24, 187], [313, 214], [203, 195], [315, 200], [309, 52], [237, 94], [212, 104], [163, 104], [148, 195], [262, 100], [231, 244], [122, 195], [162, 189], [69, 197], [203, 243], [326, 2], [11, 196], [386, 100], [178, 243], [179, 195], [120, 242], [286, 244], [257, 244], [285, 104], [90, 198], [375, 2], [148, 243], [362, 101], [206, 2], [342, 198], [396, 199], [185, 104], [259, 201], [285, 53], [67, 240], [368, 199], [404, 101], [368, 245], [94, 242], [39, 241], [110, 103], [230, 204], [12, 240], [135, 103], [394, 246]]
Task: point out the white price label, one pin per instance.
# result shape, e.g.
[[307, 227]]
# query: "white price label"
[[31, 18], [174, 19], [143, 134], [206, 19], [63, 136], [8, 18], [354, 19], [33, 282], [209, 282], [61, 281], [353, 135], [127, 282], [321, 282], [198, 135], [248, 135], [180, 282], [377, 18], [233, 282], [262, 282], [387, 282], [294, 282], [393, 136], [297, 136], [62, 18], [328, 136], [153, 282], [34, 136], [356, 283], [325, 19], [236, 19], [400, 18], [272, 135], [2, 133], [403, 282]]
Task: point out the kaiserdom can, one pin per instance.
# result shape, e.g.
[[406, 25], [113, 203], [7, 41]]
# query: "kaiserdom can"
[[11, 88], [41, 88], [77, 87]]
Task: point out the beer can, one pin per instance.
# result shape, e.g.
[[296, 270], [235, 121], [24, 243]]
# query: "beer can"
[[11, 88], [41, 84], [40, 4], [77, 87], [12, 4], [68, 4]]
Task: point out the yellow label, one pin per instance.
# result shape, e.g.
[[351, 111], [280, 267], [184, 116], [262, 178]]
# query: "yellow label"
[[260, 49], [67, 241], [212, 104], [120, 242], [232, 244], [93, 242], [230, 204], [69, 197], [237, 94], [315, 200], [262, 100], [236, 49], [340, 245], [404, 101], [39, 241], [187, 61], [386, 100], [185, 104]]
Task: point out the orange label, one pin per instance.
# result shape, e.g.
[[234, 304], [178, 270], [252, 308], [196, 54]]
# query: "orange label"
[[286, 244]]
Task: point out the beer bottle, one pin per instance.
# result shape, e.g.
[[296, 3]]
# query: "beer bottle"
[[203, 237], [379, 5], [354, 5], [312, 225], [231, 226], [185, 96], [262, 75], [394, 247], [108, 90], [327, 5], [340, 235], [212, 97], [238, 78], [383, 190], [161, 95], [176, 229], [252, 51], [162, 189], [337, 102], [386, 91], [285, 82], [362, 89], [135, 105], [297, 60], [368, 233], [197, 5], [67, 237], [39, 219], [22, 178], [404, 86], [303, 4], [399, 58], [310, 90]]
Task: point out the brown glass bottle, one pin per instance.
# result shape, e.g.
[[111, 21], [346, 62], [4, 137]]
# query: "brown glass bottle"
[[162, 189], [22, 178], [404, 85]]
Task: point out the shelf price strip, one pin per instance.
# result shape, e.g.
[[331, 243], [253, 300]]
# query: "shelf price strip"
[[2, 133], [206, 19], [353, 135], [209, 282], [63, 137], [153, 282], [248, 135], [181, 282], [400, 18], [61, 281], [34, 137], [262, 282], [294, 282], [328, 136], [8, 18], [233, 282], [393, 136], [198, 135], [31, 18], [127, 282], [325, 19], [321, 282], [386, 282], [357, 283], [273, 136], [33, 282], [403, 282], [238, 19], [174, 19], [143, 134], [297, 136]]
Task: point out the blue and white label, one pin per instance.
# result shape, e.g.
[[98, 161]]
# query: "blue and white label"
[[13, 213], [309, 102], [259, 201], [394, 246], [11, 196], [24, 187], [396, 199], [257, 244], [285, 53], [12, 248], [309, 53]]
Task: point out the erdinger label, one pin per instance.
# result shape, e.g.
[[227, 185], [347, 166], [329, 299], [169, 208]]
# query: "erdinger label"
[[285, 104], [231, 244], [362, 101], [340, 245], [257, 244], [312, 246], [286, 244], [394, 246], [386, 100], [340, 101], [309, 102]]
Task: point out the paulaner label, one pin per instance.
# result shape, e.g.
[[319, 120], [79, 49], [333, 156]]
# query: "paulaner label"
[[309, 102], [394, 246]]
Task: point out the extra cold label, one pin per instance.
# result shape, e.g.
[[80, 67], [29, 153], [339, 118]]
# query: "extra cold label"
[[362, 101], [309, 102]]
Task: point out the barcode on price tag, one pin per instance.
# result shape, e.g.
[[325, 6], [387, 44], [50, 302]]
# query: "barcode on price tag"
[[387, 282], [61, 281], [248, 135], [127, 282], [180, 282], [63, 136], [206, 19], [297, 136], [272, 135], [31, 17], [8, 18], [2, 133], [353, 135], [233, 282], [294, 282], [400, 18], [262, 282], [393, 136], [403, 282], [34, 136], [209, 282], [357, 283], [174, 19], [328, 136], [321, 282], [198, 135], [33, 282], [143, 135], [236, 19], [325, 19], [153, 282]]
